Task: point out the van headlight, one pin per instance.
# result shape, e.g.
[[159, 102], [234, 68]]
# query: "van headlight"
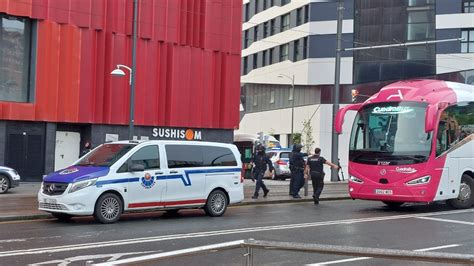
[[82, 184], [419, 180], [355, 179]]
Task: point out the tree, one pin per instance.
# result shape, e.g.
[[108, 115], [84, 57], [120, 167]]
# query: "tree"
[[307, 139]]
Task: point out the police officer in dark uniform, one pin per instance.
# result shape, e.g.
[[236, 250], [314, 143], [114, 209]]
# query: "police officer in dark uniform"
[[260, 161], [314, 168], [297, 166]]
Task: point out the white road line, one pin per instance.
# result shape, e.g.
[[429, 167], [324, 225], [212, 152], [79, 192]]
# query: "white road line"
[[445, 220], [131, 241], [367, 258]]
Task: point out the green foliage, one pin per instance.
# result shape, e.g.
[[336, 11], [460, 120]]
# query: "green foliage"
[[307, 136]]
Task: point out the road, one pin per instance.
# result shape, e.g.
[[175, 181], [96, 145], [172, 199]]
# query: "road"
[[344, 222]]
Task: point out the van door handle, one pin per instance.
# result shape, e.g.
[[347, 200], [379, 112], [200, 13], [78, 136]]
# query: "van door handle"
[[173, 172], [159, 173]]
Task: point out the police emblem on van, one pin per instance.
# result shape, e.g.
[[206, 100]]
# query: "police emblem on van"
[[148, 181], [68, 171]]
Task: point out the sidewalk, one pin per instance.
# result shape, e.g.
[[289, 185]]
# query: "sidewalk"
[[21, 203]]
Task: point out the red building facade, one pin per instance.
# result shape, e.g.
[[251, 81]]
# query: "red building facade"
[[188, 68]]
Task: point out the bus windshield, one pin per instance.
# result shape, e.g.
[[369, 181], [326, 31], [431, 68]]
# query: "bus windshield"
[[390, 134], [105, 155]]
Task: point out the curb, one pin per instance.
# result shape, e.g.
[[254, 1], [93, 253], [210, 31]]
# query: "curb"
[[30, 217]]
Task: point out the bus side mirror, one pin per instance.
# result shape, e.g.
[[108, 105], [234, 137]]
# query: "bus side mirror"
[[341, 113], [430, 117]]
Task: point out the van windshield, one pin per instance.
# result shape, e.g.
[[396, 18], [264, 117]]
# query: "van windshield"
[[105, 155]]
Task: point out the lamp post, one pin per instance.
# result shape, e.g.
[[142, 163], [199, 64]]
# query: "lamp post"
[[119, 72], [292, 79]]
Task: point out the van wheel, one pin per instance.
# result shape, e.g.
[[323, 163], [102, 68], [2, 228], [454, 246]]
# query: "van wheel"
[[465, 198], [4, 184], [62, 217], [108, 208], [393, 204], [216, 203]]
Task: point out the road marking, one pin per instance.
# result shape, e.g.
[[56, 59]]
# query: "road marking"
[[113, 257], [445, 220], [142, 240], [367, 258]]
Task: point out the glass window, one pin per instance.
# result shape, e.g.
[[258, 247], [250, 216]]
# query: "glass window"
[[421, 31], [284, 52], [270, 56], [218, 156], [456, 126], [420, 2], [272, 96], [255, 33], [468, 6], [105, 155], [266, 29], [284, 2], [305, 47], [306, 14], [246, 11], [264, 58], [246, 39], [256, 6], [296, 51], [15, 59], [467, 44], [272, 27], [180, 156], [299, 16], [246, 65], [147, 156], [255, 60], [285, 22]]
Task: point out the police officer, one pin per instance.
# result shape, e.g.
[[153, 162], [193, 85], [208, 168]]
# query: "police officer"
[[260, 161], [314, 168], [297, 165]]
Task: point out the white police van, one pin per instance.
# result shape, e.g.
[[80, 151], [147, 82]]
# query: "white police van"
[[128, 175]]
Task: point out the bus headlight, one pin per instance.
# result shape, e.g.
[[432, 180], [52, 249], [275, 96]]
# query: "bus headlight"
[[419, 180], [355, 179], [82, 184]]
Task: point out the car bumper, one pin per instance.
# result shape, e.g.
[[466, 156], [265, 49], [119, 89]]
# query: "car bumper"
[[77, 203], [393, 193], [15, 183]]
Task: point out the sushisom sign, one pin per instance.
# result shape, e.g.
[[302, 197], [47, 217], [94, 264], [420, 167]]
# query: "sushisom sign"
[[174, 133]]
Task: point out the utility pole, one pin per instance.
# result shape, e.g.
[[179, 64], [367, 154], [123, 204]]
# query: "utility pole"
[[335, 106]]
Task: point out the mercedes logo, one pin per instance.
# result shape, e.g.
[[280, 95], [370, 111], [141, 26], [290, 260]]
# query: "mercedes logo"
[[51, 188], [383, 172]]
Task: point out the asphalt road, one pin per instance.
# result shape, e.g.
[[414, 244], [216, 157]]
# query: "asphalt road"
[[351, 223]]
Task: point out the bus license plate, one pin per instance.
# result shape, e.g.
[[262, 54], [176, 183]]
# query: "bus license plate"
[[384, 191]]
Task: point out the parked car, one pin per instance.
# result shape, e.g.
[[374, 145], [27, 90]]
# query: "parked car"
[[281, 162], [9, 178]]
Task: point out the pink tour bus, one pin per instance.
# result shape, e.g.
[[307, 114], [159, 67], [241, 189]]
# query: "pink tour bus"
[[413, 141]]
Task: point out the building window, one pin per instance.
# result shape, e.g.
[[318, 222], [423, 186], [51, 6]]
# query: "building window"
[[284, 2], [272, 96], [266, 29], [246, 39], [421, 25], [420, 2], [16, 60], [272, 27], [468, 6], [270, 56], [255, 59], [256, 6], [285, 22], [264, 58], [296, 51], [246, 65], [246, 11], [299, 16], [265, 4], [305, 47], [467, 44], [284, 52], [306, 14], [255, 33]]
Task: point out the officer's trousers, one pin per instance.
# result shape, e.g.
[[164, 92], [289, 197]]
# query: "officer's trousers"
[[298, 181], [258, 175], [318, 184]]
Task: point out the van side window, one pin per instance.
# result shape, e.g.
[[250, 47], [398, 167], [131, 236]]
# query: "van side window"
[[148, 156], [218, 156], [456, 123], [180, 156]]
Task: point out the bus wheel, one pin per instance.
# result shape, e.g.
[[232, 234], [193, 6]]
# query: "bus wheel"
[[108, 208], [216, 203], [465, 198], [393, 204], [62, 217]]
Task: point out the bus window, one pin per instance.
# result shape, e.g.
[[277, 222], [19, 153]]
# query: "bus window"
[[456, 123]]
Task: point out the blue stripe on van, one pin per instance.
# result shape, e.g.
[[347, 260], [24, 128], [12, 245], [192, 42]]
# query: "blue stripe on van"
[[186, 181]]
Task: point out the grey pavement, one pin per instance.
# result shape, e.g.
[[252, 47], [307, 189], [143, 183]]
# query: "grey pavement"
[[20, 203]]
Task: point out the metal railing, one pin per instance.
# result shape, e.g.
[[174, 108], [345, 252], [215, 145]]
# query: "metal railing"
[[250, 245]]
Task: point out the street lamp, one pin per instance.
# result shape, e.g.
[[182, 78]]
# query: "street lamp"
[[118, 72], [292, 93]]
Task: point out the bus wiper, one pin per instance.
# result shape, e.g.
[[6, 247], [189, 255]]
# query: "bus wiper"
[[417, 158]]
